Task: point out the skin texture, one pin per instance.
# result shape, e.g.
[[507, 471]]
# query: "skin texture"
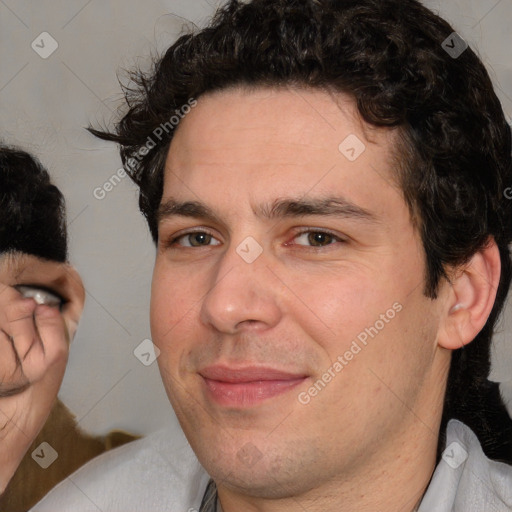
[[34, 345], [373, 428]]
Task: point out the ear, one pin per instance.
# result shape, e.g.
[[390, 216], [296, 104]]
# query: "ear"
[[75, 293], [470, 297]]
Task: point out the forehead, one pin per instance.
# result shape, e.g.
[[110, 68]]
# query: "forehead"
[[268, 141]]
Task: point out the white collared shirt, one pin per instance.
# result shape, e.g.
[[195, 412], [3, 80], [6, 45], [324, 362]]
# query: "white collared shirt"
[[161, 473]]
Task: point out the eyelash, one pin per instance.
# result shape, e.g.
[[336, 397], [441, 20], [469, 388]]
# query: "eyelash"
[[336, 238]]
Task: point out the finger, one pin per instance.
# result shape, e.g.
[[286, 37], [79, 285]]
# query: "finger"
[[8, 356], [52, 351], [20, 317], [52, 333], [12, 379]]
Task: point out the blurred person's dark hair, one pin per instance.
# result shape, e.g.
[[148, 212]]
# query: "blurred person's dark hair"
[[453, 152], [32, 209]]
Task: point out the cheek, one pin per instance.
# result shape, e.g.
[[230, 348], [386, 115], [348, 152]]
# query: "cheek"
[[174, 295], [166, 310], [333, 310]]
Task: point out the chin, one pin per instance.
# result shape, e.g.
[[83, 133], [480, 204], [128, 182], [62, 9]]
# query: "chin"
[[265, 477], [266, 486]]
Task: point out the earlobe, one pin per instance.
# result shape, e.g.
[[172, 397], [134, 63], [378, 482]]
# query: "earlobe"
[[471, 296]]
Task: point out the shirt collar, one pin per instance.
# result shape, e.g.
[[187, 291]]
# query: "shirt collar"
[[465, 480]]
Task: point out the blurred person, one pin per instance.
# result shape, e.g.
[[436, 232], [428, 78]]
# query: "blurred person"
[[35, 330], [332, 256], [41, 301]]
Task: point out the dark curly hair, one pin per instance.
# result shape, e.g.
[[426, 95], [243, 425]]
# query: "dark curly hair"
[[453, 150], [32, 209]]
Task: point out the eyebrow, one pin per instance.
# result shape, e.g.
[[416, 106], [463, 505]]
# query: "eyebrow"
[[280, 208], [329, 206], [195, 209]]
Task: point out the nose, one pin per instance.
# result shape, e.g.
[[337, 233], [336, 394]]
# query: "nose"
[[243, 296]]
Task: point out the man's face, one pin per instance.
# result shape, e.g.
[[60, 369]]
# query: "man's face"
[[282, 253]]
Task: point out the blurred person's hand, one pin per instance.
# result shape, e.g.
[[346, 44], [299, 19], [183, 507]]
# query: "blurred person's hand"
[[34, 346]]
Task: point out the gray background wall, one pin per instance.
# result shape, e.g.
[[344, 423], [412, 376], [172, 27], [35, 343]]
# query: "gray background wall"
[[45, 103]]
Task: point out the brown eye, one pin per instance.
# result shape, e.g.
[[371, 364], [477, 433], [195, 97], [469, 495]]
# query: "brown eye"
[[316, 239], [199, 239], [196, 239], [319, 239]]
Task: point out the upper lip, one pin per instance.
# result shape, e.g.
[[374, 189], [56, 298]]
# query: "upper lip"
[[247, 374]]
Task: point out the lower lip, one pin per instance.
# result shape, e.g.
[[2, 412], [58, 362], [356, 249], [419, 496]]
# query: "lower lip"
[[247, 394]]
